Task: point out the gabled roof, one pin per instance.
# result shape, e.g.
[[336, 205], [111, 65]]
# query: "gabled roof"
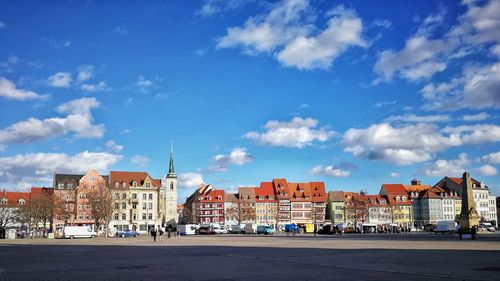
[[429, 194], [394, 188], [281, 188], [14, 197], [300, 192], [213, 196], [458, 181], [231, 197], [318, 191], [336, 196], [265, 191], [416, 187], [247, 193], [128, 178]]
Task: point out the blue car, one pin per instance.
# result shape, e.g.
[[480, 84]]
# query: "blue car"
[[126, 233]]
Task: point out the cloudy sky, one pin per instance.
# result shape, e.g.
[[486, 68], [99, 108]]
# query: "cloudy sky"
[[354, 93]]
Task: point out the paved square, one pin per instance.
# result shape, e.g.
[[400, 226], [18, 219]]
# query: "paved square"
[[370, 257]]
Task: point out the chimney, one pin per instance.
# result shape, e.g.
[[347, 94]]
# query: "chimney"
[[416, 182]]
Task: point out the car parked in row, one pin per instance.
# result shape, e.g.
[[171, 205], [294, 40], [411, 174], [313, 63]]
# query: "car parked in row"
[[127, 233]]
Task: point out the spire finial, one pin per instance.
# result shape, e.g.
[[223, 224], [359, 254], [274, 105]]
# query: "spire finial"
[[171, 171]]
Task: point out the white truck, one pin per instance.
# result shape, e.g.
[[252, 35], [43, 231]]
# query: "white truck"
[[445, 227], [78, 232], [187, 229]]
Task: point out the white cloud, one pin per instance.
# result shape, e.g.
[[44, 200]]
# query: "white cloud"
[[143, 84], [40, 167], [330, 171], [309, 52], [190, 180], [475, 134], [2, 25], [113, 146], [400, 145], [394, 175], [238, 156], [418, 56], [476, 117], [78, 121], [296, 133], [60, 80], [8, 90], [453, 167], [213, 7], [487, 170], [139, 160], [496, 50], [418, 118], [385, 103], [382, 23], [101, 86], [480, 24], [85, 72], [286, 32], [493, 158]]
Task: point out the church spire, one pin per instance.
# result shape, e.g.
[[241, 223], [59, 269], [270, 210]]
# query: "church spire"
[[171, 172]]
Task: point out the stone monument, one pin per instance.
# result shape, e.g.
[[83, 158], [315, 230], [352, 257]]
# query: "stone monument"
[[468, 217]]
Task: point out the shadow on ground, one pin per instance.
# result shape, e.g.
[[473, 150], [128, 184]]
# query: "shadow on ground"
[[166, 262]]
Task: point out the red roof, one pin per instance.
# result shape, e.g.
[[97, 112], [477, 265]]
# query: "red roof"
[[429, 194], [318, 191], [128, 178], [281, 188], [14, 197], [213, 196], [394, 188], [265, 191], [300, 192]]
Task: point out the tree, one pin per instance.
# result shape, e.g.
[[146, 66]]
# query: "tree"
[[31, 214], [246, 210], [8, 218], [101, 207], [357, 209]]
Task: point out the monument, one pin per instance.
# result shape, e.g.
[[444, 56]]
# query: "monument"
[[468, 217]]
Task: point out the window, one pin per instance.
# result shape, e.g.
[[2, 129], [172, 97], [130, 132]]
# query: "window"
[[80, 217], [92, 178], [134, 205], [117, 206], [403, 198], [144, 216], [144, 196], [134, 184], [150, 196], [21, 201], [67, 197], [124, 205], [80, 207], [124, 216], [171, 186], [117, 184], [150, 216], [4, 200], [87, 207], [60, 185], [134, 195], [150, 206], [70, 185], [144, 206], [124, 184], [135, 216], [124, 196], [81, 196]]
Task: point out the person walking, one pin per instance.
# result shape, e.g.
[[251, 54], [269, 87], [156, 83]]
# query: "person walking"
[[160, 234], [153, 233]]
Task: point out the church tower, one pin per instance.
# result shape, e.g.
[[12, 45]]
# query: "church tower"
[[169, 185]]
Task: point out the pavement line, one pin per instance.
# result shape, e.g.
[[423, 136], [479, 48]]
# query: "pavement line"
[[360, 268]]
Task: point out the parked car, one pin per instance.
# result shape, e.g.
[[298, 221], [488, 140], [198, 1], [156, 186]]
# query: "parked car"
[[219, 230], [327, 229], [204, 230], [126, 233], [487, 226], [445, 227], [291, 227], [264, 229]]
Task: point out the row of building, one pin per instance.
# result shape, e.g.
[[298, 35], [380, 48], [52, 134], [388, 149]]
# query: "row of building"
[[280, 202], [137, 200]]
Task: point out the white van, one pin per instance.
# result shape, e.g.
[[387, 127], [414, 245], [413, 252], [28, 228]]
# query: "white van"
[[78, 232]]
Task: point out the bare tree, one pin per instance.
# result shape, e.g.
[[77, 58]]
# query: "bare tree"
[[8, 218], [101, 207], [31, 214], [246, 211], [63, 208], [357, 209]]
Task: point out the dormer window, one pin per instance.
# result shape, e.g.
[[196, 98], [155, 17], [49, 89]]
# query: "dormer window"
[[4, 201], [124, 184], [261, 197], [404, 198], [148, 184], [271, 197], [134, 184], [60, 185], [382, 202], [398, 199], [117, 184], [21, 201], [92, 178]]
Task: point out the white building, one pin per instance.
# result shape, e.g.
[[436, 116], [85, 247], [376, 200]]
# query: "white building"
[[169, 195]]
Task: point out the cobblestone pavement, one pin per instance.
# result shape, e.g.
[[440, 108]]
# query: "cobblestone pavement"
[[350, 257]]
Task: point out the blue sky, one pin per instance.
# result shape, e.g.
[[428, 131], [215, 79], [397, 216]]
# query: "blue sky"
[[354, 93]]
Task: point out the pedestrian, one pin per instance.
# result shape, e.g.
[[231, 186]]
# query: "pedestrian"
[[168, 233], [178, 234], [160, 234], [153, 233]]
